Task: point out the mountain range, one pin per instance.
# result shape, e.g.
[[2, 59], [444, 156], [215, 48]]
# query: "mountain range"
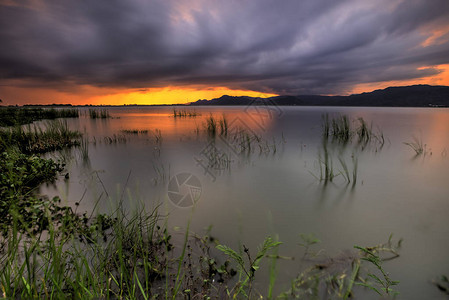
[[407, 96]]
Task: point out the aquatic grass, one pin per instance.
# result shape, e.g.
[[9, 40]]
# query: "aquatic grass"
[[273, 270], [347, 175], [417, 145], [325, 123], [84, 148], [223, 122], [158, 136], [385, 283], [211, 126], [184, 113], [340, 130], [364, 132], [215, 157], [248, 269], [53, 135], [342, 276], [197, 130], [115, 139], [162, 175], [325, 163], [442, 283], [178, 281], [345, 171], [99, 113], [135, 131], [355, 163], [12, 116]]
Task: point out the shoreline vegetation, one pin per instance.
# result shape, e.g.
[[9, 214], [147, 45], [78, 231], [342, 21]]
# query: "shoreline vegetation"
[[52, 251]]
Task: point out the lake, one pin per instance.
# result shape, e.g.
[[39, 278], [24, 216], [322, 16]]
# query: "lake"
[[269, 181]]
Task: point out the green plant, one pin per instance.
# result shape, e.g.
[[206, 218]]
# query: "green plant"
[[54, 135], [385, 283], [247, 269], [338, 277]]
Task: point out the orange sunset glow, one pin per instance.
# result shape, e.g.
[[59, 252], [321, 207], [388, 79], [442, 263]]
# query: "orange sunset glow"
[[442, 78], [85, 95]]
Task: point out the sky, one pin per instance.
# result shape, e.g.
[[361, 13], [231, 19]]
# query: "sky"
[[167, 51]]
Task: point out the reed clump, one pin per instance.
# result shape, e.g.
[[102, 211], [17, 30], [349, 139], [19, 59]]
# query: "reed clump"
[[99, 113], [12, 116], [211, 126], [53, 135], [418, 146], [340, 130], [115, 139], [135, 131], [184, 113]]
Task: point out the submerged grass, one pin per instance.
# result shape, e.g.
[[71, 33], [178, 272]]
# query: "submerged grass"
[[115, 139], [417, 145]]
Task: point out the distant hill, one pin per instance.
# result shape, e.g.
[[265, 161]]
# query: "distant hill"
[[407, 96]]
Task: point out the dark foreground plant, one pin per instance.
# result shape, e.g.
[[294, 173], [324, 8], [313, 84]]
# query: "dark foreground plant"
[[11, 116], [100, 113], [418, 146]]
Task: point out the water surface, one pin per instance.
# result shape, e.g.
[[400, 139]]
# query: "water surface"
[[274, 190]]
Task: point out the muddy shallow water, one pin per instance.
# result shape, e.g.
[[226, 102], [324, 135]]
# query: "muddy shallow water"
[[274, 187]]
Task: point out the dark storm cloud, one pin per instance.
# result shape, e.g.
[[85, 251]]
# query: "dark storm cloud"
[[291, 47]]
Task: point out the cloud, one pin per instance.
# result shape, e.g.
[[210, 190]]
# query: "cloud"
[[286, 47]]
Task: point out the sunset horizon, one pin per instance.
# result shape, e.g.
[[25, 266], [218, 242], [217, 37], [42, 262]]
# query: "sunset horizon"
[[164, 95]]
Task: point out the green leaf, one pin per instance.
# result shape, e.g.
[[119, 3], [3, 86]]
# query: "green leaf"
[[369, 286], [232, 254], [376, 278]]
